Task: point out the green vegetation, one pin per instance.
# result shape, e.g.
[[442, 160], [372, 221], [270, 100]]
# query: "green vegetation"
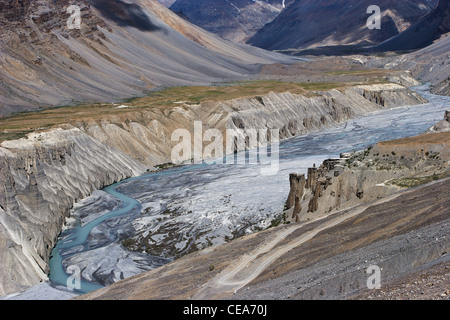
[[20, 124], [165, 166], [274, 223], [321, 86], [417, 181], [227, 91]]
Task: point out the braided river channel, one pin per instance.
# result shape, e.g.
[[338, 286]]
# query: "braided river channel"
[[142, 223]]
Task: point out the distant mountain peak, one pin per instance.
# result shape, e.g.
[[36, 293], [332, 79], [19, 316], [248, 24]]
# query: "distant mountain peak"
[[235, 20]]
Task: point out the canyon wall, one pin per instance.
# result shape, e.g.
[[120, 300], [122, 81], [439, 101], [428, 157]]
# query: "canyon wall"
[[146, 135], [40, 179], [43, 175], [443, 125], [365, 176]]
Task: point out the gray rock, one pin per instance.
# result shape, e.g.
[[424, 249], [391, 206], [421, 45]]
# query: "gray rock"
[[41, 178]]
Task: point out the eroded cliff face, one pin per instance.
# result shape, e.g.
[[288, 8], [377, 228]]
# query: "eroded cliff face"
[[42, 176], [40, 179], [363, 177], [443, 125], [235, 20], [146, 135], [429, 64]]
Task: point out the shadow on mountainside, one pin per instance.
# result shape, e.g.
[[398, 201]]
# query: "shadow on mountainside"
[[125, 14]]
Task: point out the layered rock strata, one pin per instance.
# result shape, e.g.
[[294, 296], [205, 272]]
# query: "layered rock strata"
[[43, 175], [443, 125]]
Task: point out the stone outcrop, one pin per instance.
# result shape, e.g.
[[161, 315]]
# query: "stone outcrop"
[[305, 193], [235, 20], [387, 95], [366, 176]]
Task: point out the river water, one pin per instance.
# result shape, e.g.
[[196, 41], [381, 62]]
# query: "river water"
[[163, 215]]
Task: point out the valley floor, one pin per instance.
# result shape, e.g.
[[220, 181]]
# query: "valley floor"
[[319, 260]]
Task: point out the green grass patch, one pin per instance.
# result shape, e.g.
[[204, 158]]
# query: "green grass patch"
[[18, 125], [417, 181]]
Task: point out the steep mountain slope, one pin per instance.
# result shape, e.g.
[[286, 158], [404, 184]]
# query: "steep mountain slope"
[[430, 64], [428, 29], [327, 256], [122, 49], [401, 234], [442, 88], [167, 3], [301, 25], [235, 20]]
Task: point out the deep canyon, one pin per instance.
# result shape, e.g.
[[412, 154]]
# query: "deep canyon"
[[49, 171]]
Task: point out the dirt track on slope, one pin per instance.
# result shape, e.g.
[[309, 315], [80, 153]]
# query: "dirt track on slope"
[[321, 259]]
